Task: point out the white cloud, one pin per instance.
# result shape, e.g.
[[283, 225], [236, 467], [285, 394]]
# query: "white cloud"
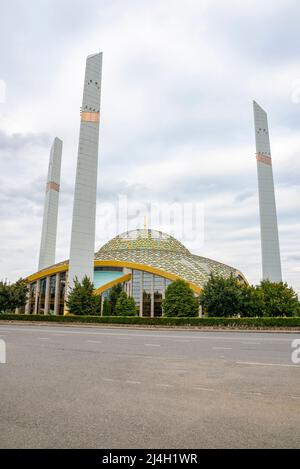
[[178, 81]]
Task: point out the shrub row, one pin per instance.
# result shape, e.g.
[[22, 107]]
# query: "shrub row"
[[240, 323]]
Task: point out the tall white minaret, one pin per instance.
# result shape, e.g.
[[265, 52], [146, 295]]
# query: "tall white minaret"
[[49, 229], [271, 264], [84, 208]]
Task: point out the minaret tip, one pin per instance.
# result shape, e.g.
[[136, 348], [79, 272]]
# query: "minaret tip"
[[257, 107]]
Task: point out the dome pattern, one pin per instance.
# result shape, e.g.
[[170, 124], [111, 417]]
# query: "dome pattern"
[[144, 240], [162, 251]]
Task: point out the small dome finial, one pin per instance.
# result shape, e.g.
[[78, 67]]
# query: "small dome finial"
[[145, 223]]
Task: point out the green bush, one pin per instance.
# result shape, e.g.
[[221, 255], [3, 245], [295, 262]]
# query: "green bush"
[[81, 299], [125, 306], [214, 322], [180, 300]]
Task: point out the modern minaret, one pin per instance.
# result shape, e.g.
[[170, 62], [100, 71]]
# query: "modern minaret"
[[48, 241], [271, 265], [84, 208]]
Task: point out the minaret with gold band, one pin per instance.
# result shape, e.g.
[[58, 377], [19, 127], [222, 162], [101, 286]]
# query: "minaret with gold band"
[[49, 229], [271, 264], [84, 207]]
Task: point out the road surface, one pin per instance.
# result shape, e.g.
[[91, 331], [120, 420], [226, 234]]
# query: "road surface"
[[93, 387]]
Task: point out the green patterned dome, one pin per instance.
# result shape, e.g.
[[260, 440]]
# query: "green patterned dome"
[[163, 252], [144, 240]]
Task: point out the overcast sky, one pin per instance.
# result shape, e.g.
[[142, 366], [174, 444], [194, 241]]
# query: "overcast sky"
[[179, 78]]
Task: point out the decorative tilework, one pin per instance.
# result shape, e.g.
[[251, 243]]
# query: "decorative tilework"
[[162, 251], [264, 159], [52, 185]]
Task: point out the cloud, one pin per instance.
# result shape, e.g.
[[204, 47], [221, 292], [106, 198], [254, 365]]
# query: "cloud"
[[176, 117], [18, 141]]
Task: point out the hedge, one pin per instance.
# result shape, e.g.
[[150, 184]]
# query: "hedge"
[[240, 323]]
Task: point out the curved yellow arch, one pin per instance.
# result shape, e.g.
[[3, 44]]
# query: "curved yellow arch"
[[46, 272], [146, 268], [111, 263], [110, 284]]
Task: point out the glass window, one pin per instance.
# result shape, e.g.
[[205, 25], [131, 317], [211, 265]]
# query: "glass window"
[[52, 294], [42, 296], [159, 287], [168, 282], [109, 269], [147, 293], [105, 294], [32, 297], [62, 289], [136, 286]]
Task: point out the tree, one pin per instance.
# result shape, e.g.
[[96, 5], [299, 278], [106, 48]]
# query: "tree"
[[4, 296], [114, 293], [106, 307], [180, 300], [252, 301], [125, 305], [18, 293], [81, 299], [229, 297], [279, 299], [13, 296], [222, 297]]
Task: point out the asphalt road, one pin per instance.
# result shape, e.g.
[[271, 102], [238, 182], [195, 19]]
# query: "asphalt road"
[[85, 387]]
